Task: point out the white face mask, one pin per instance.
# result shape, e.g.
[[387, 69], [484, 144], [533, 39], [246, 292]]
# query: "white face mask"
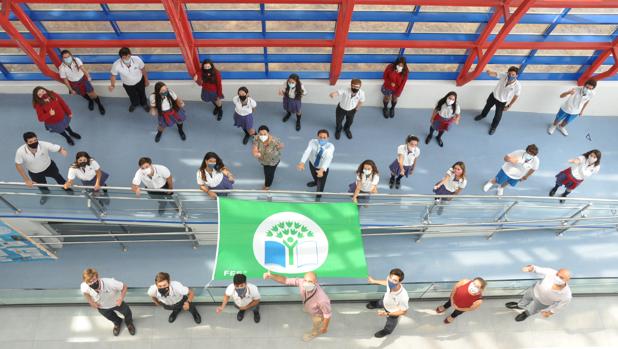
[[146, 171], [308, 287], [263, 138], [590, 161], [366, 172], [558, 281], [528, 157], [585, 91], [399, 68], [127, 61], [449, 101], [473, 289]]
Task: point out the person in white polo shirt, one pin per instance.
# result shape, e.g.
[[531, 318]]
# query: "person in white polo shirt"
[[169, 108], [134, 78], [88, 171], [174, 296], [320, 154], [453, 182], [350, 99], [245, 296], [548, 296], [578, 98], [404, 164], [154, 177], [504, 95], [244, 106], [107, 296], [394, 303], [367, 179], [582, 167], [77, 79], [518, 166], [34, 158]]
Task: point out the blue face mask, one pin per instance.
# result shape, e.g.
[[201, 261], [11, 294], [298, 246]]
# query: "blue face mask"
[[291, 84], [511, 78], [164, 94], [241, 291], [391, 285], [212, 166], [322, 142], [68, 60]]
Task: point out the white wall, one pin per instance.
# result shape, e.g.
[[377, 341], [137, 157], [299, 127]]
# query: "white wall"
[[537, 96]]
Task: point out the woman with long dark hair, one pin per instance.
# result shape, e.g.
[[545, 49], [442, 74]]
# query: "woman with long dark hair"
[[165, 104], [244, 106], [88, 170], [582, 167], [212, 91], [445, 113], [213, 175], [53, 111], [292, 92], [77, 79], [367, 179], [395, 78]]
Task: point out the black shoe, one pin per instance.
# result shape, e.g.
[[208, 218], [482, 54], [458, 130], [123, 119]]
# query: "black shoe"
[[521, 317], [479, 117], [337, 134], [197, 317], [311, 184], [182, 134], [75, 135], [287, 116], [492, 131], [215, 111], [158, 137], [220, 113], [392, 113], [381, 333], [146, 108], [391, 183], [553, 191], [131, 328], [428, 139], [172, 317], [116, 330], [131, 108], [397, 184], [101, 110], [318, 198], [385, 112], [43, 200], [245, 140], [240, 315], [440, 142], [564, 195], [297, 125], [512, 305], [348, 133], [70, 141], [256, 317], [372, 305], [91, 105]]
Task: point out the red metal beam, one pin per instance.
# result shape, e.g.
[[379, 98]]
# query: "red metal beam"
[[465, 76], [184, 36], [344, 17], [494, 3], [34, 30], [598, 62]]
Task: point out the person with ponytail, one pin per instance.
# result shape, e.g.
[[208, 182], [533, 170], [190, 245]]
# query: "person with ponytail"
[[165, 104], [212, 91], [77, 79], [445, 113]]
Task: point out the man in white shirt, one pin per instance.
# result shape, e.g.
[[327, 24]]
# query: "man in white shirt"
[[34, 157], [547, 296], [154, 177], [245, 296], [573, 106], [320, 153], [518, 166], [174, 296], [350, 99], [394, 303], [134, 78], [503, 96], [107, 296]]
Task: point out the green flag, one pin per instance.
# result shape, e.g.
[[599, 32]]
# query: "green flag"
[[289, 238]]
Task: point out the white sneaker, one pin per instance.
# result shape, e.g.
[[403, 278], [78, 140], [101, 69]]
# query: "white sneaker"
[[551, 129], [563, 130], [487, 186], [500, 191]]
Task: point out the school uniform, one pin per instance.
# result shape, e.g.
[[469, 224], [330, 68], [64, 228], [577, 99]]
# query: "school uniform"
[[573, 176], [573, 105], [346, 108], [512, 173], [88, 174], [243, 112], [393, 301], [409, 158], [502, 94], [211, 86], [174, 300], [443, 118], [158, 180], [366, 183], [392, 76], [39, 165], [76, 77], [452, 184], [106, 299], [168, 115], [250, 294], [132, 80], [61, 119], [320, 157], [291, 104], [215, 180]]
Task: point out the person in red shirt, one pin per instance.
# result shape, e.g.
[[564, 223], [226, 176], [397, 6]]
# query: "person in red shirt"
[[467, 295], [395, 78], [212, 91], [53, 111]]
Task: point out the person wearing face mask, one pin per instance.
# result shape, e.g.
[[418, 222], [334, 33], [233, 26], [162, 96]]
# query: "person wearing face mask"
[[87, 170], [165, 104], [444, 114], [574, 106], [320, 154], [548, 296], [107, 296], [212, 90], [315, 301], [34, 157], [367, 179], [174, 296], [350, 100], [53, 111], [582, 167], [395, 78], [134, 78], [404, 164], [267, 149], [518, 166], [244, 106], [453, 183], [213, 175], [77, 79], [154, 177], [245, 296], [467, 295], [504, 95], [293, 92], [394, 303]]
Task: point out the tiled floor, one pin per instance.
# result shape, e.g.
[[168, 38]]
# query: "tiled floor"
[[586, 323]]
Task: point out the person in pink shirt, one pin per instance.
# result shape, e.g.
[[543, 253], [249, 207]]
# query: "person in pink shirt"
[[315, 301]]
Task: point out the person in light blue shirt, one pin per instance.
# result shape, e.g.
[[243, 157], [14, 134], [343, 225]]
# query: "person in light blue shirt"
[[320, 154]]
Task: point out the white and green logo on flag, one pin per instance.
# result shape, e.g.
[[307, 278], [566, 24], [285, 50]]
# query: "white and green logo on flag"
[[288, 238]]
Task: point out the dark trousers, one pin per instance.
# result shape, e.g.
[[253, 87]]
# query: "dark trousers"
[[137, 93], [456, 312], [110, 314], [491, 101], [391, 321], [255, 309], [163, 198], [341, 114], [52, 172], [269, 174], [320, 182], [177, 308]]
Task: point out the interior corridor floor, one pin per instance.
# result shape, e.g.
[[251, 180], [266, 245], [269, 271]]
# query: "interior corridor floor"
[[588, 322]]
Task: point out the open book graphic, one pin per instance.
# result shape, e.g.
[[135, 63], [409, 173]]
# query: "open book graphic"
[[274, 253], [307, 254]]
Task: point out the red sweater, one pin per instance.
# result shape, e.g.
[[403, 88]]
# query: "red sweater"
[[462, 298], [58, 105], [216, 86], [392, 76]]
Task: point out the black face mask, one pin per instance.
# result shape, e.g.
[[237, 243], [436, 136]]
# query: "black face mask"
[[95, 285], [34, 145], [164, 291], [242, 98], [82, 164], [355, 90]]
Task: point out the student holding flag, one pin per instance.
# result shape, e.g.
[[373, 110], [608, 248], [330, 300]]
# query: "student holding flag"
[[320, 153]]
